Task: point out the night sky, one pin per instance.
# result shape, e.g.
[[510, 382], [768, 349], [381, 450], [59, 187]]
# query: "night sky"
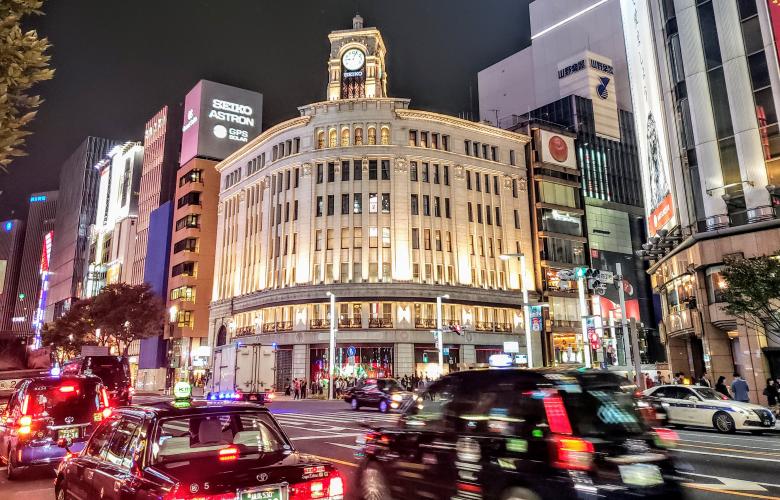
[[118, 62]]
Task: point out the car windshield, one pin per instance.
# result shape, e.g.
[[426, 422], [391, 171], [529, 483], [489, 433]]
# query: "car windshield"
[[388, 384], [601, 410], [64, 401], [111, 370], [204, 436], [711, 395]]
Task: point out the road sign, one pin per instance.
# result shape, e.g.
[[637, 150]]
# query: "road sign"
[[607, 277], [351, 351], [566, 275]]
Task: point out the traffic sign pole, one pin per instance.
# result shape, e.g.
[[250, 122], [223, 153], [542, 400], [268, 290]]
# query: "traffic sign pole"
[[584, 319], [623, 317]]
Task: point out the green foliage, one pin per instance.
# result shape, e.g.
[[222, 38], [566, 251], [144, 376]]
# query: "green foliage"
[[23, 63], [753, 292], [123, 313]]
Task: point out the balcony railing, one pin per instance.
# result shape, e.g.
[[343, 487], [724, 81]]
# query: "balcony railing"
[[354, 322], [244, 331], [269, 327], [380, 323], [484, 326], [425, 323], [503, 327], [284, 326], [319, 324]]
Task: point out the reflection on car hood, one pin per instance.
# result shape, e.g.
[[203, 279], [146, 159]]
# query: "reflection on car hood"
[[740, 404]]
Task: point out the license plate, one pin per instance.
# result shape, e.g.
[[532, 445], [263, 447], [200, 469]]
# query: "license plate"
[[641, 475], [261, 493], [68, 433]]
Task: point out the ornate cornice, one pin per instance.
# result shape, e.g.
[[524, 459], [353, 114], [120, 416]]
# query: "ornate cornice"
[[414, 114], [299, 121]]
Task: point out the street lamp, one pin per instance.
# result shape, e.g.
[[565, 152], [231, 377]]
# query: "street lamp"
[[332, 345], [440, 333], [526, 309]]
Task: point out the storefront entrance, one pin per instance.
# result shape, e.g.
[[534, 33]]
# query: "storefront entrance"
[[426, 360], [566, 349], [359, 361], [283, 375]]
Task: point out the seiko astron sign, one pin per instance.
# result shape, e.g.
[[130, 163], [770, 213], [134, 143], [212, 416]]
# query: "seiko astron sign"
[[219, 119]]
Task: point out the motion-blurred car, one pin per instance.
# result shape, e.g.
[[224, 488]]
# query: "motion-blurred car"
[[44, 410], [704, 407], [512, 434], [383, 393], [202, 449], [114, 371]]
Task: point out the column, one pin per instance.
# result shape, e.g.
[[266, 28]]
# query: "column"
[[404, 360]]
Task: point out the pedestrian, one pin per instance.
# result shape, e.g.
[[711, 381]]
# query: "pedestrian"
[[659, 378], [740, 389], [296, 388], [720, 386], [303, 388], [704, 380], [772, 394], [648, 381]]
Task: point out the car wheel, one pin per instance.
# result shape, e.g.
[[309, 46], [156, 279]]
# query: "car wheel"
[[723, 423], [520, 494], [373, 485], [355, 405], [12, 470], [383, 406]]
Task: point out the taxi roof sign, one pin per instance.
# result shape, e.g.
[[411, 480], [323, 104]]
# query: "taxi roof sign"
[[182, 390]]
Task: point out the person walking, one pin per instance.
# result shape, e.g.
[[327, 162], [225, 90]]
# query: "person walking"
[[297, 389], [303, 388], [648, 381], [740, 389], [720, 386], [772, 393], [704, 380]]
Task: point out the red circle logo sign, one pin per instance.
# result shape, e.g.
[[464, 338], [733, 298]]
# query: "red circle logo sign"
[[558, 149]]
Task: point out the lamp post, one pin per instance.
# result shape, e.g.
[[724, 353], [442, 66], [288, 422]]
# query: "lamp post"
[[526, 308], [440, 333], [332, 345]]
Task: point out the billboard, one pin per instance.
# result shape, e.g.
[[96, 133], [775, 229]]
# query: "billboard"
[[649, 119], [218, 120], [557, 149], [774, 15]]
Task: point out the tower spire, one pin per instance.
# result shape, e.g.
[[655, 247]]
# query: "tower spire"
[[357, 22]]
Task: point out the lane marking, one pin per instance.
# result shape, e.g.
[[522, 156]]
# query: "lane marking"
[[766, 438], [334, 460], [727, 492], [728, 449], [741, 457], [302, 438], [772, 485], [682, 441], [349, 446]]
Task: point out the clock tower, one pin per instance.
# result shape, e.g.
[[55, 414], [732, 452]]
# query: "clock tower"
[[356, 68]]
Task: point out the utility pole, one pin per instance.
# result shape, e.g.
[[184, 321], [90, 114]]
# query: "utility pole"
[[332, 345], [623, 318], [440, 333], [581, 284], [640, 381]]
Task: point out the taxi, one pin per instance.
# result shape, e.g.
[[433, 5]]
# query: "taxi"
[[520, 434], [701, 406], [194, 449]]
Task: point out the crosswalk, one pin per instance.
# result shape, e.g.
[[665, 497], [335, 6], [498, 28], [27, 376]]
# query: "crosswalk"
[[342, 419]]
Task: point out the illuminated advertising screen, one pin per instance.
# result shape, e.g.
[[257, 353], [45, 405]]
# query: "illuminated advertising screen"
[[218, 120], [648, 115], [774, 15]]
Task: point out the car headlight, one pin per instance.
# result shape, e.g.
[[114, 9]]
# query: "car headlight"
[[397, 398]]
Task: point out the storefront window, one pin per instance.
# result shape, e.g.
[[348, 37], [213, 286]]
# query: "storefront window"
[[567, 349], [680, 294], [426, 360], [716, 285], [353, 361]]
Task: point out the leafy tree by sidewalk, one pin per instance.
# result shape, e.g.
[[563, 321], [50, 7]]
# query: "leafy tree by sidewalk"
[[752, 292], [23, 63]]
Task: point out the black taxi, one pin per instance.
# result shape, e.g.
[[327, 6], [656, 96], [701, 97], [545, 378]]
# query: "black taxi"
[[201, 449], [519, 434]]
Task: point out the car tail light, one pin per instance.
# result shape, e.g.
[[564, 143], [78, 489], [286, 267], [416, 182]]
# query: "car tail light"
[[25, 404], [572, 453], [330, 488], [271, 396], [106, 412], [228, 454], [666, 438], [68, 388], [104, 393]]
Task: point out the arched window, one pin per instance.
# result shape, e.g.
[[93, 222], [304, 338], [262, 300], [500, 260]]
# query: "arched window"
[[372, 135], [332, 138], [222, 336], [358, 136], [344, 137], [385, 138], [321, 139]]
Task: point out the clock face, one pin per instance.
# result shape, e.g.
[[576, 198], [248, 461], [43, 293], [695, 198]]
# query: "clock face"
[[353, 59]]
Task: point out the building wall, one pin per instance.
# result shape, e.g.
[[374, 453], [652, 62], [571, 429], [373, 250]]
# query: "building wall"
[[11, 245], [40, 220], [77, 205]]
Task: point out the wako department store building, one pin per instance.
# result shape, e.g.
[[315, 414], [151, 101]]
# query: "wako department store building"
[[387, 208]]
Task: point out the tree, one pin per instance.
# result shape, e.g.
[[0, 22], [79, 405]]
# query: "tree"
[[70, 332], [752, 292], [23, 63], [125, 313]]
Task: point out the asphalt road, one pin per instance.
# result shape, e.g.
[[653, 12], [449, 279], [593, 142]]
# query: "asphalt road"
[[714, 466]]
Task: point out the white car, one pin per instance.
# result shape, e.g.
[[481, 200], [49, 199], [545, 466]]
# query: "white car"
[[704, 407]]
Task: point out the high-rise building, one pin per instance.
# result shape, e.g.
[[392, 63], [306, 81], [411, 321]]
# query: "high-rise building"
[[162, 138], [218, 119], [706, 94], [40, 222], [76, 208], [386, 207], [11, 245], [113, 235], [574, 76]]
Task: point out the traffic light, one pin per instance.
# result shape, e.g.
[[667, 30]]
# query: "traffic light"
[[581, 272], [22, 296], [425, 357]]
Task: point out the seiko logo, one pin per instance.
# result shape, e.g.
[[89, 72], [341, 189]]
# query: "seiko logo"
[[262, 477]]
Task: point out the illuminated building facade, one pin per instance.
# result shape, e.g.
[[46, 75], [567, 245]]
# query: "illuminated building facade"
[[387, 208]]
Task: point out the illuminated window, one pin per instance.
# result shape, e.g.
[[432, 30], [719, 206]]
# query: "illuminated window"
[[332, 139], [344, 137], [385, 136], [385, 237], [373, 237], [371, 136], [358, 136]]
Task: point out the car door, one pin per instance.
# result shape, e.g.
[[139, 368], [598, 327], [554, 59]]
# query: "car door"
[[112, 478], [675, 409], [687, 401], [7, 422], [427, 464], [80, 470]]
